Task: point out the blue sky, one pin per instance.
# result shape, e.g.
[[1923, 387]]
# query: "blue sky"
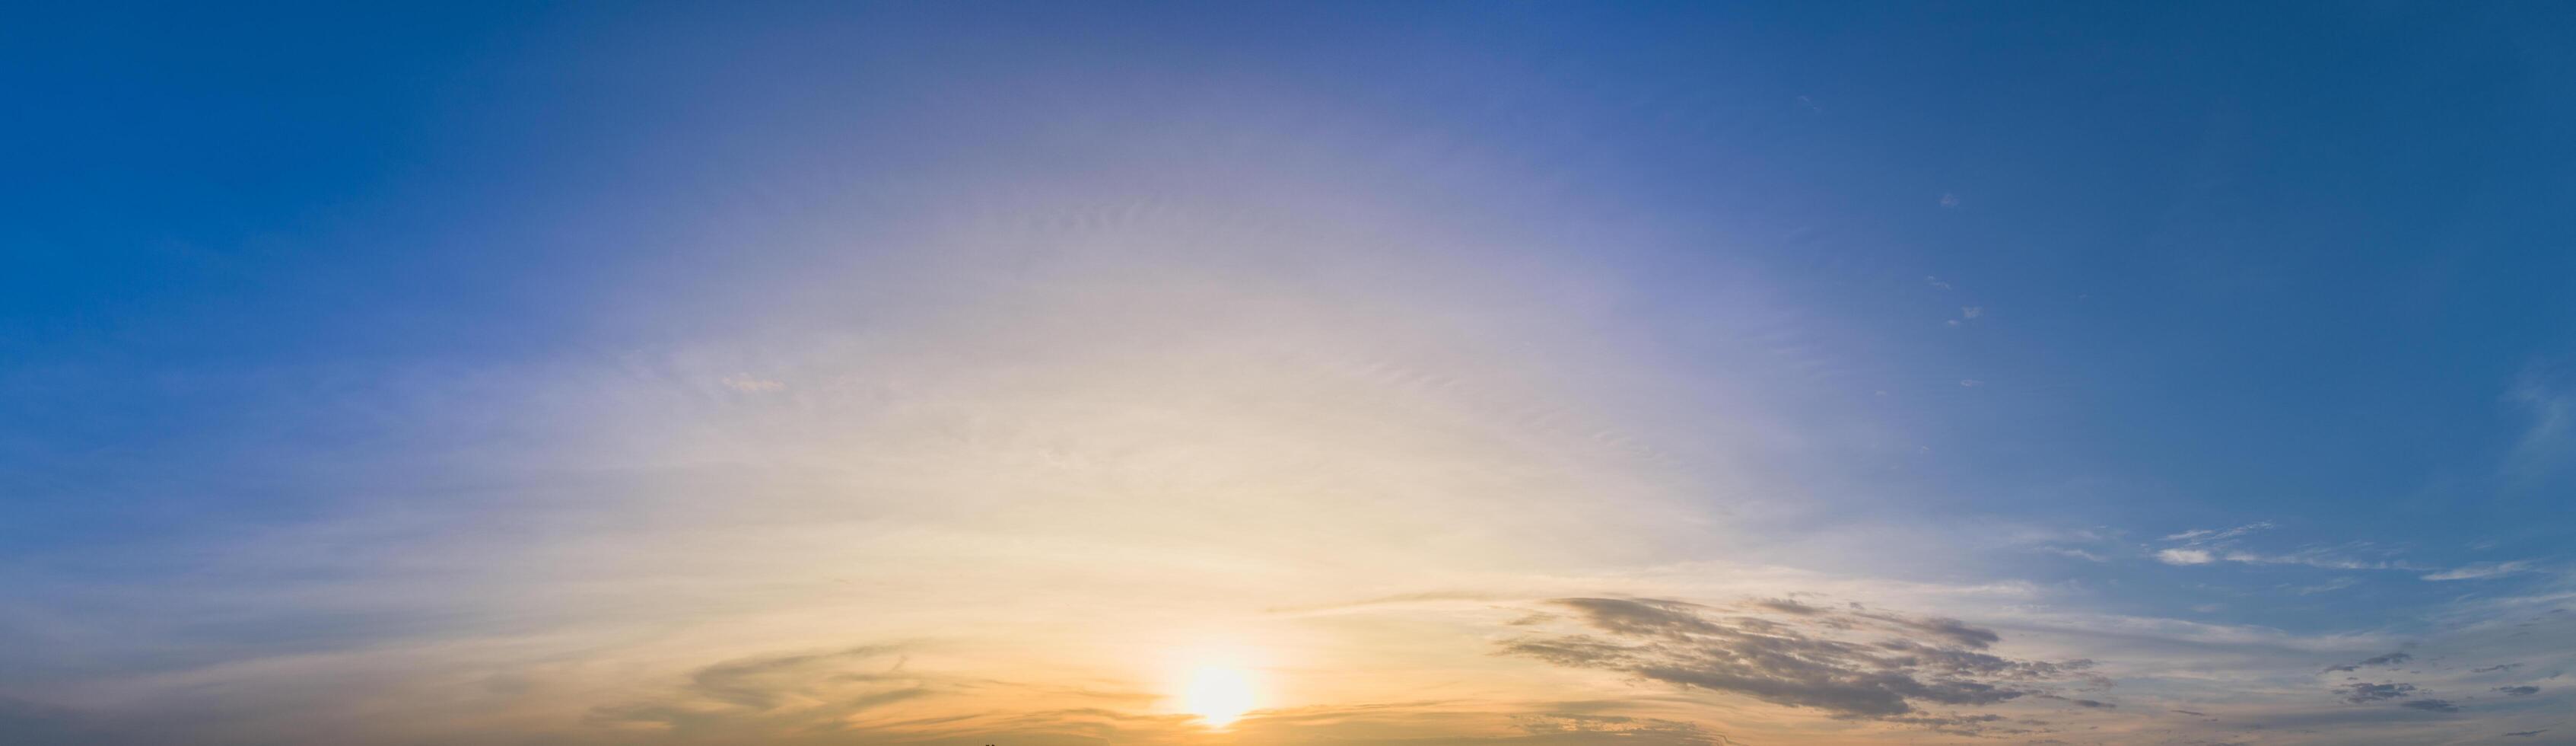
[[497, 371]]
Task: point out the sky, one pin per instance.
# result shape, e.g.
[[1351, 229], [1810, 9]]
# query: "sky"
[[1040, 374]]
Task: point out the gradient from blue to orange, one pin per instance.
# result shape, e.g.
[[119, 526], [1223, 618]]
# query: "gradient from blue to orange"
[[1428, 372]]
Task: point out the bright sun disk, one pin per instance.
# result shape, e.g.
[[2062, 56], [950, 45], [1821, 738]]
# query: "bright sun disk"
[[1217, 694]]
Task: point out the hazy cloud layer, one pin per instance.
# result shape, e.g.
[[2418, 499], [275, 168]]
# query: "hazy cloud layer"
[[866, 695]]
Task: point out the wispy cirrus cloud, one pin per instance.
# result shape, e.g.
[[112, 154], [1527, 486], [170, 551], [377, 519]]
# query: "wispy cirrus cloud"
[[2327, 587], [2548, 437], [2206, 536], [2481, 570], [2212, 546]]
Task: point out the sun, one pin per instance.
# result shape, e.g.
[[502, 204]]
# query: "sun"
[[1219, 695]]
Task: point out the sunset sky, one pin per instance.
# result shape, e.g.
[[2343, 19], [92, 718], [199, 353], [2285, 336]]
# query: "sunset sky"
[[1440, 374]]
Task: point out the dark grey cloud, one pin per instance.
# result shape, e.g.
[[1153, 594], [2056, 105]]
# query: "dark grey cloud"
[[2496, 668], [2366, 692], [2517, 691], [1579, 723], [1807, 657], [2526, 733], [2434, 705], [1964, 725], [2390, 659], [1786, 606], [1952, 630]]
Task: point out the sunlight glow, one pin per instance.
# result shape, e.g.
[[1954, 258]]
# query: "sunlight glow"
[[1217, 694]]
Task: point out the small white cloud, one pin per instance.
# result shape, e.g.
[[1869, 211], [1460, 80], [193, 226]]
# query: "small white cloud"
[[1971, 382], [1952, 322], [1972, 312], [751, 384], [2185, 557], [1949, 199], [1935, 282], [2481, 570]]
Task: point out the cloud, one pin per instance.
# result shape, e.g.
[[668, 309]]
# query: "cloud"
[[2434, 705], [2216, 535], [2517, 691], [2328, 586], [2496, 668], [870, 694], [1952, 630], [2203, 535], [793, 690], [2202, 546], [1582, 728], [2365, 693], [1552, 724], [2317, 558], [2092, 703], [2078, 554], [2526, 733], [1787, 606], [1808, 658], [2390, 659], [752, 385], [1972, 312], [2361, 693], [1962, 725], [2481, 570], [2545, 442]]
